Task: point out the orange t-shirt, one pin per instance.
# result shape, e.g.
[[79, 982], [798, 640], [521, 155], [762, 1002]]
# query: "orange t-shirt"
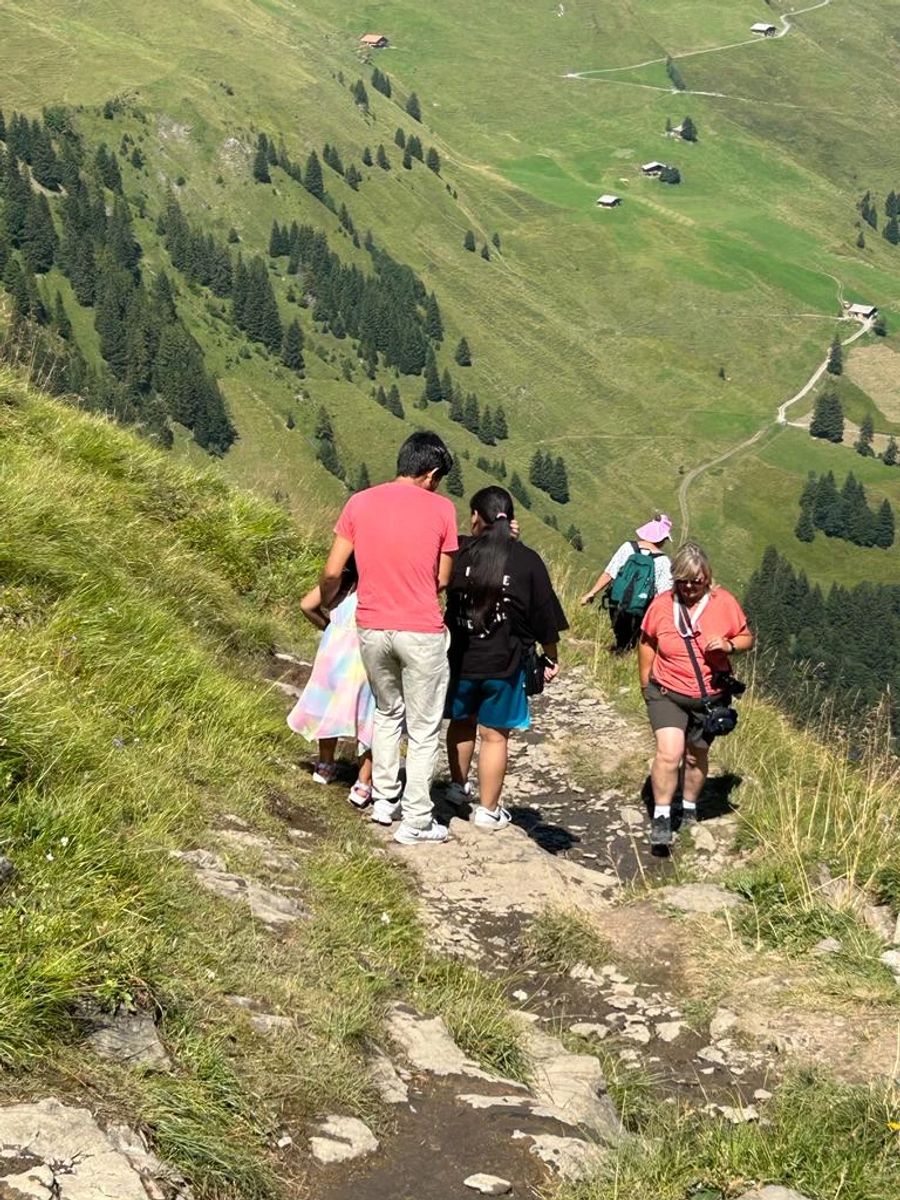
[[722, 616]]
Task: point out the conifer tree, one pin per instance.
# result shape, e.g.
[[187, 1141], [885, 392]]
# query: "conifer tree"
[[471, 413], [290, 423], [495, 239], [433, 160], [462, 354], [362, 480], [360, 95], [457, 412], [123, 247], [292, 347], [675, 76], [327, 454], [884, 526], [312, 176], [261, 162], [381, 83], [537, 472], [574, 538], [892, 204], [407, 159], [39, 240], [433, 390], [501, 428], [413, 107], [434, 325], [381, 158], [367, 157], [2, 126], [828, 417], [835, 356], [414, 146], [394, 403], [518, 490], [861, 240], [670, 174], [455, 484], [400, 138], [863, 444], [446, 385], [889, 454], [891, 231], [485, 253], [688, 130], [233, 236], [17, 200], [61, 319], [558, 484], [805, 529], [486, 427], [469, 240]]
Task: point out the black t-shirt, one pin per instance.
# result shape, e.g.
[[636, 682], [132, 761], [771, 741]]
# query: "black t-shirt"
[[528, 612]]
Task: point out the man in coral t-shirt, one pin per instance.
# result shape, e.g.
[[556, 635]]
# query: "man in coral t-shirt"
[[403, 536]]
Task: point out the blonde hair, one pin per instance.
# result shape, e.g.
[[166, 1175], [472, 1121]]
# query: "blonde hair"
[[691, 560]]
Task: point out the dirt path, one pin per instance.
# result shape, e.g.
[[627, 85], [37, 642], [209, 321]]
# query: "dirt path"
[[642, 999], [786, 26], [780, 419]]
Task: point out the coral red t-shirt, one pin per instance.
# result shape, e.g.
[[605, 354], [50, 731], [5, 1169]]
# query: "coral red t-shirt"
[[399, 531], [721, 617]]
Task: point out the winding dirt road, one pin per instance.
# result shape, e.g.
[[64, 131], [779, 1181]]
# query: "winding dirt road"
[[780, 419], [786, 27]]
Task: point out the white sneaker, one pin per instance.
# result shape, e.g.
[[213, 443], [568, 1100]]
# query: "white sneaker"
[[384, 812], [486, 819], [459, 794], [407, 835]]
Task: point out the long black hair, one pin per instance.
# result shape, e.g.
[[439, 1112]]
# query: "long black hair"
[[487, 555]]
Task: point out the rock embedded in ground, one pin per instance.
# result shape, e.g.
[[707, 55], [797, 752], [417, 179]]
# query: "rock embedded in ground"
[[272, 908], [773, 1192], [891, 959], [827, 945], [722, 1023], [572, 1086], [7, 869], [703, 839], [387, 1081], [342, 1139], [571, 1158], [589, 1029], [699, 898], [488, 1185], [130, 1038], [269, 1023], [62, 1150], [427, 1043], [880, 919], [668, 1031]]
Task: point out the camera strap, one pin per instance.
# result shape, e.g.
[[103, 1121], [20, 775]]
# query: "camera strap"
[[686, 629]]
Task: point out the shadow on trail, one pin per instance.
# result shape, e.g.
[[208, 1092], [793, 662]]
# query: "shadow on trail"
[[555, 839]]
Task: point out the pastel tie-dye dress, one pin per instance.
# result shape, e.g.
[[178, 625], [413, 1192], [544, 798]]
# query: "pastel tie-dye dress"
[[337, 701]]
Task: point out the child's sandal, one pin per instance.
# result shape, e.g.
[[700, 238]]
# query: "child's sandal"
[[360, 795], [325, 772]]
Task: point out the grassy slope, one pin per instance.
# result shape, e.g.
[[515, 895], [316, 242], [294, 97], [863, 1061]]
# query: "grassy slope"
[[602, 333], [137, 598]]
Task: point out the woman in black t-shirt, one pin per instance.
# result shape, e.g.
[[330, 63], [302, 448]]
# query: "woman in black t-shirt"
[[500, 602]]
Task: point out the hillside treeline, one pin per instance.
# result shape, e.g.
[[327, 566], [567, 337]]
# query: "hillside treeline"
[[841, 646], [843, 513], [153, 370]]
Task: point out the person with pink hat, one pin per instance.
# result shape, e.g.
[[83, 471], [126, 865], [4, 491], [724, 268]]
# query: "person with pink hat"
[[638, 571]]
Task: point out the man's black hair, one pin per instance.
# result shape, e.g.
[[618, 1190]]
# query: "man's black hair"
[[422, 453]]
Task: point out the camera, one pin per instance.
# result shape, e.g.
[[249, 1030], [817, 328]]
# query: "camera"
[[725, 681], [719, 720]]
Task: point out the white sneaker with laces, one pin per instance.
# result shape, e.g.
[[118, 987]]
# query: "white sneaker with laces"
[[486, 818], [408, 835], [384, 812], [459, 794]]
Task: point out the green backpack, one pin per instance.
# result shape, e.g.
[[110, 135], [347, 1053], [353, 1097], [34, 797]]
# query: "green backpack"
[[635, 585]]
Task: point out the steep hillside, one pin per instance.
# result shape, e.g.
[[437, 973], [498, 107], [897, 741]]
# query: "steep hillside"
[[636, 343]]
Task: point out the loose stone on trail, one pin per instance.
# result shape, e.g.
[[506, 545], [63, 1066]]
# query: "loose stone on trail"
[[488, 1185], [704, 898], [342, 1139], [129, 1038]]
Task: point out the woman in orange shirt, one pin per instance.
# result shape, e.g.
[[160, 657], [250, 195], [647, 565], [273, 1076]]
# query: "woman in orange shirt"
[[687, 638]]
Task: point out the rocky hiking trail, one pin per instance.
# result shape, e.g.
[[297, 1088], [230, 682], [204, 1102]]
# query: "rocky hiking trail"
[[578, 844], [651, 998]]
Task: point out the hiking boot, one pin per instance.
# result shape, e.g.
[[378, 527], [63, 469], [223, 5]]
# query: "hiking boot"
[[459, 794], [408, 835], [385, 812], [360, 795], [689, 818], [487, 818], [661, 831]]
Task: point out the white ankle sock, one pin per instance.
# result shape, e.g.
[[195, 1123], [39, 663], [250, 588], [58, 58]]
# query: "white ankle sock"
[[689, 804], [662, 810]]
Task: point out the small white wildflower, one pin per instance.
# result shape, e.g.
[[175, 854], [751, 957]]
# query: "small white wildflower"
[[64, 841], [385, 918], [49, 857]]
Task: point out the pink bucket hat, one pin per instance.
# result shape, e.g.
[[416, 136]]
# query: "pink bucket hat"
[[656, 530]]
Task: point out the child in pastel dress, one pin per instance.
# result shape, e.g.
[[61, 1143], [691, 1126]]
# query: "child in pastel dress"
[[337, 701]]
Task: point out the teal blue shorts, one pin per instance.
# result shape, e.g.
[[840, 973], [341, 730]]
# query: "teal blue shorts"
[[497, 703]]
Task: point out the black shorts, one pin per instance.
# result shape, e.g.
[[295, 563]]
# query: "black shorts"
[[672, 710]]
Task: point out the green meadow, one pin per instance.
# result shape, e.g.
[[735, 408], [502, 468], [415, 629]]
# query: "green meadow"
[[602, 333]]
